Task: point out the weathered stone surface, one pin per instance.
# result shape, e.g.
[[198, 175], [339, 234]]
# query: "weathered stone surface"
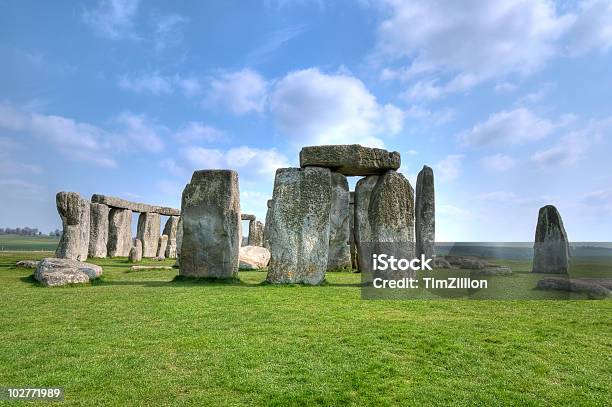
[[74, 212], [256, 233], [148, 232], [384, 213], [27, 264], [179, 237], [119, 232], [210, 211], [254, 257], [119, 203], [425, 213], [267, 225], [339, 247], [441, 263], [142, 268], [171, 249], [492, 271], [171, 227], [98, 231], [161, 247], [136, 252], [246, 216], [299, 225], [350, 159], [551, 248], [58, 272], [592, 287], [353, 247]]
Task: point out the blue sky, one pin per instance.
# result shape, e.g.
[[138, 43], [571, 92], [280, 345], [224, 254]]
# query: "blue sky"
[[508, 101]]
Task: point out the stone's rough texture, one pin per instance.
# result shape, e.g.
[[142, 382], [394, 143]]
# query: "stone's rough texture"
[[119, 203], [492, 271], [179, 237], [27, 264], [171, 227], [136, 252], [425, 215], [148, 233], [171, 249], [339, 229], [551, 247], [58, 272], [254, 257], [74, 212], [246, 216], [441, 263], [119, 232], [98, 230], [595, 288], [384, 213], [161, 247], [256, 233], [299, 225], [353, 247], [210, 211], [142, 268], [350, 159], [267, 225]]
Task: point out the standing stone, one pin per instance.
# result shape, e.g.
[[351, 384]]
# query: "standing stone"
[[384, 213], [354, 262], [136, 252], [267, 225], [161, 247], [256, 233], [98, 233], [171, 249], [74, 212], [350, 159], [179, 236], [299, 225], [339, 228], [149, 224], [119, 232], [210, 211], [551, 249], [171, 227], [425, 213]]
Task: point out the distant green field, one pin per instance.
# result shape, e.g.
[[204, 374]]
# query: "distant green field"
[[144, 338], [28, 243]]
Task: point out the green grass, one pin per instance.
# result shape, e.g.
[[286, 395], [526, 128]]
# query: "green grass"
[[144, 338], [28, 243]]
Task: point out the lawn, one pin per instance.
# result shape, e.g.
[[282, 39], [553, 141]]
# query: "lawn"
[[28, 243], [140, 338]]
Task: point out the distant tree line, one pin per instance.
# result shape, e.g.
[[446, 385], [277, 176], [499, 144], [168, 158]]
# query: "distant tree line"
[[27, 232]]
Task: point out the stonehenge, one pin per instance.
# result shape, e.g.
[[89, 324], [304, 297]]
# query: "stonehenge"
[[119, 232], [350, 159], [161, 247], [551, 248], [339, 228], [52, 272], [115, 202], [136, 252], [98, 230], [256, 233], [75, 214], [425, 208], [210, 211], [148, 233]]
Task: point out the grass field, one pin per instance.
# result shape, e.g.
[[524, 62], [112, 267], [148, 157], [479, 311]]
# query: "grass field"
[[28, 243], [140, 338]]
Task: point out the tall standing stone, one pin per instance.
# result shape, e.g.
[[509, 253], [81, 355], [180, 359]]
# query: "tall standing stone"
[[354, 262], [98, 233], [74, 212], [299, 225], [149, 224], [136, 251], [384, 216], [551, 248], [425, 213], [119, 232], [161, 247], [339, 228], [210, 211], [267, 225], [179, 237], [256, 233], [170, 229]]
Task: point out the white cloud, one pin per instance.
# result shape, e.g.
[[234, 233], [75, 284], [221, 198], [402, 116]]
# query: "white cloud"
[[169, 31], [113, 19], [172, 167], [240, 92], [507, 127], [310, 106], [190, 86], [591, 29], [152, 83], [449, 168], [248, 161], [197, 131], [569, 150], [470, 41], [141, 131], [505, 87], [274, 41], [498, 162]]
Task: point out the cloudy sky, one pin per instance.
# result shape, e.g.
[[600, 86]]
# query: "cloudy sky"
[[508, 100]]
